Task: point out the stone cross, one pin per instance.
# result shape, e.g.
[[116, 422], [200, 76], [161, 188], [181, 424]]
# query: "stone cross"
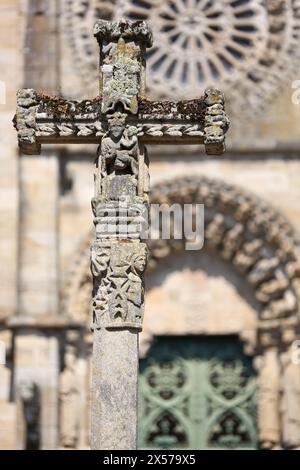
[[121, 120]]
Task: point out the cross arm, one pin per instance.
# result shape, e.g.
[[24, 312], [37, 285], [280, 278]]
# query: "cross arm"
[[42, 119], [197, 121]]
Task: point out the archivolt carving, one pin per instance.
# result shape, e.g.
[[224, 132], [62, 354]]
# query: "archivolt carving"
[[249, 46], [243, 229]]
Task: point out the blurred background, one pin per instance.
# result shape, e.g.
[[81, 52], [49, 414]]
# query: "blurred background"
[[219, 351]]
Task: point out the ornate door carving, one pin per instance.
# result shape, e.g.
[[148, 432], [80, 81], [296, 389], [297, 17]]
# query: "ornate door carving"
[[197, 393]]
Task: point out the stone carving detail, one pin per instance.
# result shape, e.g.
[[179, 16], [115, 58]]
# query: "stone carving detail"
[[69, 395], [249, 47], [121, 180], [265, 251]]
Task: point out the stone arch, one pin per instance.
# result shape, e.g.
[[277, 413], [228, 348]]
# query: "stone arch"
[[244, 230], [261, 245]]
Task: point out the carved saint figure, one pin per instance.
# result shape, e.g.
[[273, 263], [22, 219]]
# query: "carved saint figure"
[[119, 149]]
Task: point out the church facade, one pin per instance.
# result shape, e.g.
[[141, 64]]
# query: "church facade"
[[219, 351]]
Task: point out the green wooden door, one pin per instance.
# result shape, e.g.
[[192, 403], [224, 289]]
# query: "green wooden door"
[[197, 393]]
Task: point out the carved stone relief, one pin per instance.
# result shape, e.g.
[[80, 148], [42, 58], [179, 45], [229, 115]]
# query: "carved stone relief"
[[290, 405], [268, 400], [262, 246]]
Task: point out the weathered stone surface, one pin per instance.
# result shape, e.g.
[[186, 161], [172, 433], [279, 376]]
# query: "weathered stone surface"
[[37, 363], [269, 399], [38, 274], [114, 389], [42, 118]]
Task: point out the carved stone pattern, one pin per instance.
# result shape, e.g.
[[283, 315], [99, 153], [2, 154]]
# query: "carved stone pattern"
[[248, 233], [118, 298], [29, 395], [118, 258], [249, 47], [268, 398]]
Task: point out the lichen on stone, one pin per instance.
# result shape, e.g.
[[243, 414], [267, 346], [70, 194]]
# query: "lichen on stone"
[[193, 110], [59, 107]]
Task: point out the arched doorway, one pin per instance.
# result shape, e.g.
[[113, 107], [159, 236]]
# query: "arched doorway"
[[260, 246]]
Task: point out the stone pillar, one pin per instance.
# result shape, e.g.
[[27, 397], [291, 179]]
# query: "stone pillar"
[[118, 257], [85, 378], [115, 374], [290, 404], [36, 367], [268, 398]]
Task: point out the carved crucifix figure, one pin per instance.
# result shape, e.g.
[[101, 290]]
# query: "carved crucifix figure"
[[121, 120]]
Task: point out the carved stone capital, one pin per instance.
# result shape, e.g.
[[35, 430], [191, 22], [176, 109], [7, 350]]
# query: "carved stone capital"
[[118, 292]]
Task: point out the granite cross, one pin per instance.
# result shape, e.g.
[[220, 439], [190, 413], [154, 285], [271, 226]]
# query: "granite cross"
[[121, 120]]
